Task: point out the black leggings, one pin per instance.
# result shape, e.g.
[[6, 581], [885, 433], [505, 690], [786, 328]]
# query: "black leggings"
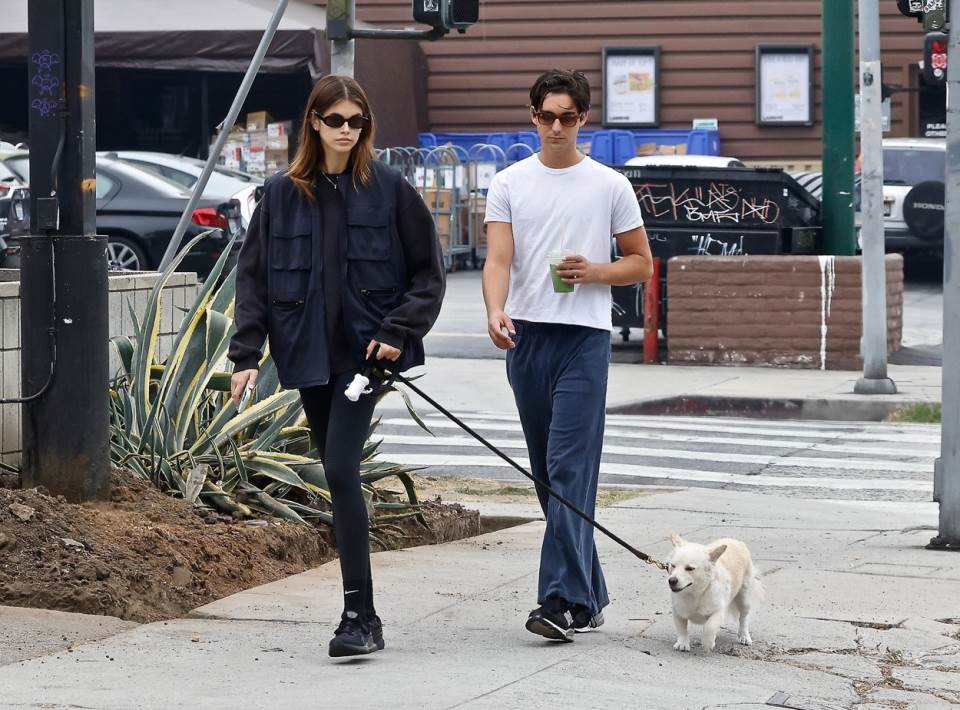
[[340, 429]]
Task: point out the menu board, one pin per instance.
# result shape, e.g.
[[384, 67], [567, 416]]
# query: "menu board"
[[784, 85], [631, 86]]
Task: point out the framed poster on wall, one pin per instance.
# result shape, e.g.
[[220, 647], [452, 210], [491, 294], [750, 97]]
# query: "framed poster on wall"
[[785, 84], [631, 87]]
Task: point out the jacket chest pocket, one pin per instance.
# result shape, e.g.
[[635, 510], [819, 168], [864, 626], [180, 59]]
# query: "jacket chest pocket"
[[291, 260], [369, 250]]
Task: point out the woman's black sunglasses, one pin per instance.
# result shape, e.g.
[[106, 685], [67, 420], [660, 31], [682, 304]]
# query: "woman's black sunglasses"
[[335, 120]]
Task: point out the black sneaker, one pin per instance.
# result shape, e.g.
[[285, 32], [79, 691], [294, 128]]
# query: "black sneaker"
[[555, 625], [352, 637], [584, 621], [376, 630]]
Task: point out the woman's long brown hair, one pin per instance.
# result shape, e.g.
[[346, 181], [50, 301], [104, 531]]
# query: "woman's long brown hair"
[[309, 158]]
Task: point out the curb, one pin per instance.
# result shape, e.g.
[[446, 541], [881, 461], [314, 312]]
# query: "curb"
[[873, 410]]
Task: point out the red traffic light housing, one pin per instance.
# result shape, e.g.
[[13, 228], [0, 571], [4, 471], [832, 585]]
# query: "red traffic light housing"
[[936, 47]]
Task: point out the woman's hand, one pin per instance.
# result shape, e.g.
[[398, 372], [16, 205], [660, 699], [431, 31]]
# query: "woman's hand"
[[384, 351], [239, 382]]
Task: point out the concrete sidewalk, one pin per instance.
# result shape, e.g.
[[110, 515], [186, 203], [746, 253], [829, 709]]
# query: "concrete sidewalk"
[[456, 384], [859, 615]]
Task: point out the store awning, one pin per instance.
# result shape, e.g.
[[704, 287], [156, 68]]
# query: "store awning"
[[192, 35]]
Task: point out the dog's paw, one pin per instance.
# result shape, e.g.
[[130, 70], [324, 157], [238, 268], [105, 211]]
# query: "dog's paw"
[[682, 645], [708, 646], [745, 639]]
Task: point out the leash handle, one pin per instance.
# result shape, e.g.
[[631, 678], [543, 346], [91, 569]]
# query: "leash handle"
[[573, 508]]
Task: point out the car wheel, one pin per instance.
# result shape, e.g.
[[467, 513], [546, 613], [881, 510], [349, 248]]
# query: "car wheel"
[[124, 255]]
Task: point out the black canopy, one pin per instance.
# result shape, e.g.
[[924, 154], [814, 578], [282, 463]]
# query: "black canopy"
[[192, 35]]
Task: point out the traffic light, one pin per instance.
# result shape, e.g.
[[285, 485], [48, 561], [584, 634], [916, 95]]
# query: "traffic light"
[[448, 14], [935, 51]]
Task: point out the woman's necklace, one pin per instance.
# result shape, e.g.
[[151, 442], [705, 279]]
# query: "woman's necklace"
[[333, 183]]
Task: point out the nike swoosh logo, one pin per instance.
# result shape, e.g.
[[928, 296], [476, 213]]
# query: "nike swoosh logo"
[[351, 591]]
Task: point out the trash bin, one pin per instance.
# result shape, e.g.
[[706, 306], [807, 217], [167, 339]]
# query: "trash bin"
[[717, 212]]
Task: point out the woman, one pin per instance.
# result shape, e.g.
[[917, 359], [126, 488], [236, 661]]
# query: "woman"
[[341, 264]]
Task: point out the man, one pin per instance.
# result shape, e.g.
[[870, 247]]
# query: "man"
[[556, 329]]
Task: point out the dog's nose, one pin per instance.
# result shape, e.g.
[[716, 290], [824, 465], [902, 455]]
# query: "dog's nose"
[[672, 581]]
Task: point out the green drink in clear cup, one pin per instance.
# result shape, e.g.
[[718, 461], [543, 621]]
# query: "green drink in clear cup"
[[554, 259]]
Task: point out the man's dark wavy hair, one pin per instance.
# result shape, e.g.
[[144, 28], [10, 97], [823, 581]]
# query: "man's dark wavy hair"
[[563, 81]]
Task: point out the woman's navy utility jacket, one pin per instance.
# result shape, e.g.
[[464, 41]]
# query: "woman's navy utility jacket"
[[393, 277]]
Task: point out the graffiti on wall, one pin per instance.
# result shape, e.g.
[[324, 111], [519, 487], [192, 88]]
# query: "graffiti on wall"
[[714, 203]]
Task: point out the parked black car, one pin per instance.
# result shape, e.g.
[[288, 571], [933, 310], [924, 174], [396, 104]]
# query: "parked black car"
[[9, 181], [138, 212]]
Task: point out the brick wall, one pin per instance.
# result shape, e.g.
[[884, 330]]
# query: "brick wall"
[[178, 295], [785, 311]]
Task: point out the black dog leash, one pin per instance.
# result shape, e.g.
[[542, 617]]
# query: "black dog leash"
[[643, 556]]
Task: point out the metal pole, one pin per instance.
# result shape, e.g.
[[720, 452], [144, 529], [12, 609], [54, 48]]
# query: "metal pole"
[[874, 276], [947, 473], [340, 17], [838, 130], [225, 128], [64, 306]]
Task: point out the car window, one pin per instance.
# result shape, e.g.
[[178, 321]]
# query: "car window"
[[7, 175], [904, 166], [21, 166], [177, 176], [104, 186]]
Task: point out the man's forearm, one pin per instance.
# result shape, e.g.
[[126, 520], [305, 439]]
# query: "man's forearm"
[[629, 270], [496, 286]]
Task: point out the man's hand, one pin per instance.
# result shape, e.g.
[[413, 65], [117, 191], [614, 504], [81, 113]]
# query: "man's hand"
[[384, 351], [496, 323], [239, 382], [577, 270]]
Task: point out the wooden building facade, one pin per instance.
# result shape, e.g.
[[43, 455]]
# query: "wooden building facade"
[[479, 81]]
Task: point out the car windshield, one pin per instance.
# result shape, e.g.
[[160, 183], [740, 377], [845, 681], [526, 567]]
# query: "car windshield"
[[904, 166]]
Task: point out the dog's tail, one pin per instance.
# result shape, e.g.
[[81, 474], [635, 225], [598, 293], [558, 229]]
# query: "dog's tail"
[[756, 592]]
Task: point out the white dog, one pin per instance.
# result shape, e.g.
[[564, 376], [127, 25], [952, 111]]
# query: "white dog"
[[707, 581]]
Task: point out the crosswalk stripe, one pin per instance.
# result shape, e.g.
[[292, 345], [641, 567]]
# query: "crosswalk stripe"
[[791, 424], [923, 451], [680, 474], [776, 461], [510, 424]]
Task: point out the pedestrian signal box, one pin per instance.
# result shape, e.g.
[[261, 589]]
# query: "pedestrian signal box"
[[448, 14], [935, 53]]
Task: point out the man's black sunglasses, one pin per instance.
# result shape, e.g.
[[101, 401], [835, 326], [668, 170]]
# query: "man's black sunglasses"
[[335, 120], [567, 120]]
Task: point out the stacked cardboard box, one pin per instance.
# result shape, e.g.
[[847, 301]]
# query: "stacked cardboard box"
[[440, 203], [279, 146], [263, 147]]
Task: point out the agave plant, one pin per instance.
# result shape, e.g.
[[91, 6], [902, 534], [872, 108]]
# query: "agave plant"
[[174, 423]]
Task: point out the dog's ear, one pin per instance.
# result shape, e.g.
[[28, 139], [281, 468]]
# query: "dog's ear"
[[676, 539], [715, 553]]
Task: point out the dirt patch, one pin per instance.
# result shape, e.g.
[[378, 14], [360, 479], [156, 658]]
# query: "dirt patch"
[[145, 556], [474, 490]]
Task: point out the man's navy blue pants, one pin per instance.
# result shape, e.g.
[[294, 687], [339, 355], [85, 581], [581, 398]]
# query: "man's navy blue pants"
[[559, 378]]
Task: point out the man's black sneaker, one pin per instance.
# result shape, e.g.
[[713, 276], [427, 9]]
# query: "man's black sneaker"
[[584, 621], [352, 637], [376, 630], [556, 625]]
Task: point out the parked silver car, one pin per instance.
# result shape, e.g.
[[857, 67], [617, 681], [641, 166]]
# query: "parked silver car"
[[185, 171]]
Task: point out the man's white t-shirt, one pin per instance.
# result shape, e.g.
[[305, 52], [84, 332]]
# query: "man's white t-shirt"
[[577, 208]]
